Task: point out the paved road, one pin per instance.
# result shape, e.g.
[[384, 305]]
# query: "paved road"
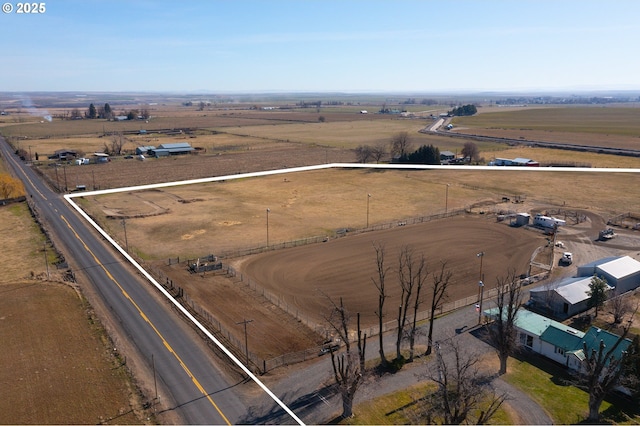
[[191, 385]]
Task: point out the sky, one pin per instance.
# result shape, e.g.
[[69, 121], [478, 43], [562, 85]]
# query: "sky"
[[234, 46]]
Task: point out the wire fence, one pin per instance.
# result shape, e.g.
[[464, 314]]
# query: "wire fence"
[[238, 347]]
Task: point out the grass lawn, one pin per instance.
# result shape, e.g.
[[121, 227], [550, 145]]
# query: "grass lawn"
[[545, 382], [401, 408]]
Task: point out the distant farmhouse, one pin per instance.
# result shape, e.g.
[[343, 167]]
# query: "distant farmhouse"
[[446, 157], [570, 296], [63, 155]]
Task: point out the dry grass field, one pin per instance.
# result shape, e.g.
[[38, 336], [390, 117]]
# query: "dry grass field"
[[58, 367], [195, 220]]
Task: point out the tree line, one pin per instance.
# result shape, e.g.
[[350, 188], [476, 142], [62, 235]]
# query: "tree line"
[[401, 149], [105, 112]]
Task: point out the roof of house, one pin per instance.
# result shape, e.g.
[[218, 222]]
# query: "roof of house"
[[566, 338], [447, 153], [536, 324], [592, 340]]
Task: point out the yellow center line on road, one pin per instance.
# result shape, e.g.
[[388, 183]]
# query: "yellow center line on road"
[[27, 177], [146, 319]]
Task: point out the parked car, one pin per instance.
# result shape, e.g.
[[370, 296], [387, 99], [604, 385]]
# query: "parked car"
[[566, 259]]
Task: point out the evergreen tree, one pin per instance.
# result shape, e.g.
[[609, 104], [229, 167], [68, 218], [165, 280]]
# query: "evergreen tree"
[[597, 293], [92, 111]]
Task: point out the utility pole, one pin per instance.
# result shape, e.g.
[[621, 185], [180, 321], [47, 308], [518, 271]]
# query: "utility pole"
[[480, 289], [66, 188], [268, 211], [46, 262], [246, 340], [126, 241]]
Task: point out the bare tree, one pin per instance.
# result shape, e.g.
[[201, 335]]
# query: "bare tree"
[[418, 282], [602, 370], [439, 287], [382, 296], [363, 153], [378, 151], [400, 144], [115, 144], [348, 367], [470, 150], [503, 331], [620, 307], [463, 394], [411, 275]]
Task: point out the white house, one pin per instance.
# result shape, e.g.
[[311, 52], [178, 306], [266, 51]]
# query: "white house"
[[559, 342]]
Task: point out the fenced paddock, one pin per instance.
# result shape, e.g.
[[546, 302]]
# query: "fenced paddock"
[[626, 220]]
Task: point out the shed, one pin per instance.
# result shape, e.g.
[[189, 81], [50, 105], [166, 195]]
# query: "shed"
[[166, 149], [562, 299], [101, 157], [522, 219], [144, 150]]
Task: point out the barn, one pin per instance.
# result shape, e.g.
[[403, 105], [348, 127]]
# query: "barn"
[[621, 272], [167, 149], [571, 295]]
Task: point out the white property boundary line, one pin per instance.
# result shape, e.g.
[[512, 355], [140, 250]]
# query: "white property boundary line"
[[69, 198]]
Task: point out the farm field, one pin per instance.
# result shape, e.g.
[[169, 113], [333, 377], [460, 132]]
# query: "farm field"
[[582, 125], [219, 218], [58, 366]]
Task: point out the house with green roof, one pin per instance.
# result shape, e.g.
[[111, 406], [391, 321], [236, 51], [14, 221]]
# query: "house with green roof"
[[559, 342]]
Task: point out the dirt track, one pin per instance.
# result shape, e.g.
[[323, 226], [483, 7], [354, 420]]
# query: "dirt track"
[[344, 267]]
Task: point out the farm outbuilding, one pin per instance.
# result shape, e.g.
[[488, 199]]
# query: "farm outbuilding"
[[167, 149], [144, 150], [622, 272], [522, 219], [571, 295]]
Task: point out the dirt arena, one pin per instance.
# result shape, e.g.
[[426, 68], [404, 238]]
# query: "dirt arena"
[[344, 267]]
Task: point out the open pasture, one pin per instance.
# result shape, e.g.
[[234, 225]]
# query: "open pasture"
[[223, 216]]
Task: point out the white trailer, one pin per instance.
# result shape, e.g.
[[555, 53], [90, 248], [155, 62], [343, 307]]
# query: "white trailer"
[[547, 221]]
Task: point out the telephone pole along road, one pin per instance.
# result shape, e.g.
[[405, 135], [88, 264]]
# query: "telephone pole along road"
[[194, 388]]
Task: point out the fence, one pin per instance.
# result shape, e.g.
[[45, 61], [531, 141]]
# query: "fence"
[[237, 346], [337, 234]]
